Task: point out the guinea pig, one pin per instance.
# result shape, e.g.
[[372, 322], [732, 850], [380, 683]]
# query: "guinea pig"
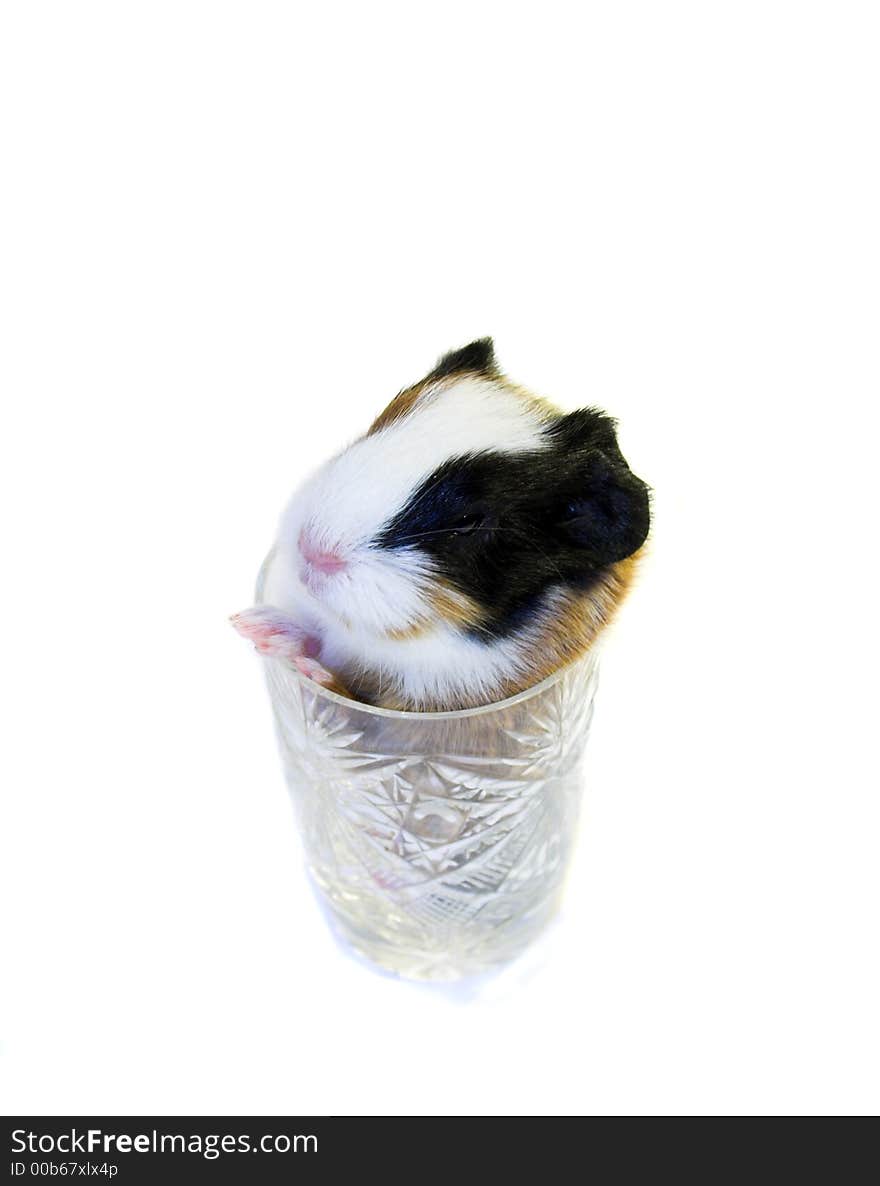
[[475, 540]]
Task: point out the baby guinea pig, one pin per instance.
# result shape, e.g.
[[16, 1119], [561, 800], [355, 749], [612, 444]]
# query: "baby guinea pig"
[[474, 541]]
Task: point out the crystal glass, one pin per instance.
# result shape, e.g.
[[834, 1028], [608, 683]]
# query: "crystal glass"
[[439, 841]]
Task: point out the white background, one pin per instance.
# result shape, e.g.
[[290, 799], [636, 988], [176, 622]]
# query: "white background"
[[230, 233]]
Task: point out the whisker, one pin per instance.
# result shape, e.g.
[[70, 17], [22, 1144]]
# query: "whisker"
[[448, 531], [546, 556]]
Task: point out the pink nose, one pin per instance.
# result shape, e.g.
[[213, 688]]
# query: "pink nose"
[[319, 560]]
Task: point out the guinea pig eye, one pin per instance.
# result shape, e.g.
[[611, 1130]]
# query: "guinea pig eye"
[[465, 525]]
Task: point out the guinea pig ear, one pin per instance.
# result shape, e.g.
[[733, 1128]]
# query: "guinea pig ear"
[[587, 428], [609, 516], [477, 357]]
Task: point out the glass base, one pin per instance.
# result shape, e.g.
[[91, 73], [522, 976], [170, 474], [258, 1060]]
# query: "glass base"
[[450, 957]]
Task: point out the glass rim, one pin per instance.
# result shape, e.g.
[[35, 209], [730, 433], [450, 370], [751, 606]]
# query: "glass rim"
[[404, 714]]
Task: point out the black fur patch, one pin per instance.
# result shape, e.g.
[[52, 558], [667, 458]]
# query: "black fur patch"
[[504, 528], [478, 356]]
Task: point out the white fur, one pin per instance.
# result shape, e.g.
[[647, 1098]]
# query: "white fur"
[[348, 502], [437, 668]]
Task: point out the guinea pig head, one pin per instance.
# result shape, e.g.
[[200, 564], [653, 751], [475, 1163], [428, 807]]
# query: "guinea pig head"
[[466, 504]]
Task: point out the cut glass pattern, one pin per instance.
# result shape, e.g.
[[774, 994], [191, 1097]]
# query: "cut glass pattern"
[[439, 841]]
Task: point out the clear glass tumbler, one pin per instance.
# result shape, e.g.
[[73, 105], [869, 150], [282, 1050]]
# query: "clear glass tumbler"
[[439, 841]]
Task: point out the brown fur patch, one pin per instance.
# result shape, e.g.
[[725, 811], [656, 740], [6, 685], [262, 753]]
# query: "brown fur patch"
[[369, 687], [536, 404], [575, 626], [455, 608], [400, 407], [414, 630], [450, 607], [338, 687]]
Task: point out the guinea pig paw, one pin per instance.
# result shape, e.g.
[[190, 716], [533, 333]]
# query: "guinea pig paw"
[[271, 631], [313, 670]]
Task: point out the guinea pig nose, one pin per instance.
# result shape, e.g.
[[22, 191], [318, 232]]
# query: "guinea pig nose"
[[319, 559]]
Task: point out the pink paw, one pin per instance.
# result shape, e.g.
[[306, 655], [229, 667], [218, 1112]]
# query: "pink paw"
[[273, 633], [312, 669]]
